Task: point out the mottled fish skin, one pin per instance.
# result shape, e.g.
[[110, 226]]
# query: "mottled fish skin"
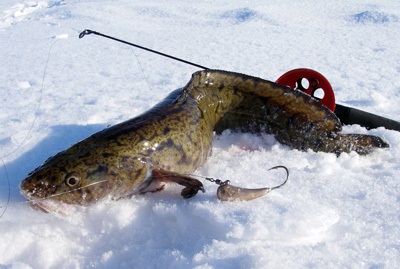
[[176, 135]]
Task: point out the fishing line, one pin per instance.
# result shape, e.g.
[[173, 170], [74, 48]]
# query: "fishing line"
[[29, 130], [39, 103], [9, 189], [41, 98], [141, 69]]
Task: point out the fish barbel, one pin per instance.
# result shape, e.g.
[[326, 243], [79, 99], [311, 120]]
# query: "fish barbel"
[[174, 138]]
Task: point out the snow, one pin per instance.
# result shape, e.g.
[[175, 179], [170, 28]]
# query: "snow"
[[56, 89]]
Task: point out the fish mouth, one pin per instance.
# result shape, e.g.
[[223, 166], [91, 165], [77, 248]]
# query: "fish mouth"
[[48, 205], [52, 206]]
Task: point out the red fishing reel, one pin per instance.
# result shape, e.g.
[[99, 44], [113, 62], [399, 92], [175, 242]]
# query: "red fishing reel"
[[312, 83]]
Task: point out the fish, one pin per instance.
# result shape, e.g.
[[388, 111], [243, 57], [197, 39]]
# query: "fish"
[[174, 138]]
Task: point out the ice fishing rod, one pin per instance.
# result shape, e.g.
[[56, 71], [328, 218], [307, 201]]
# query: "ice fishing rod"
[[88, 32], [293, 79]]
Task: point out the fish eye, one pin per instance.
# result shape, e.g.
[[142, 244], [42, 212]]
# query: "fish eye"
[[72, 179]]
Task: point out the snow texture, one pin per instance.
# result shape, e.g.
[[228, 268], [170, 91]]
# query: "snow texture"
[[56, 89]]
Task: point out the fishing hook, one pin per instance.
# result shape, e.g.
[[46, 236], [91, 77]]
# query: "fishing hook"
[[227, 192]]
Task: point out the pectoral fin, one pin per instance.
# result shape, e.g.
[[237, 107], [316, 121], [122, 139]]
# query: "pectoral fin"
[[192, 185]]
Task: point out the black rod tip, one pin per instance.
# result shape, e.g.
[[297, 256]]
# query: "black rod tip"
[[86, 32]]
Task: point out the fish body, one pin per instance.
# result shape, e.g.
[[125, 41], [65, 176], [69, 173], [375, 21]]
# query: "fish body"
[[175, 138]]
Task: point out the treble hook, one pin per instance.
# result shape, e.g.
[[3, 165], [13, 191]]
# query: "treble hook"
[[227, 192]]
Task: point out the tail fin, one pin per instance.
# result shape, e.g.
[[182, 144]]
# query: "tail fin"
[[360, 143]]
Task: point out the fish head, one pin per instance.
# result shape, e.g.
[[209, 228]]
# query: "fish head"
[[59, 186]]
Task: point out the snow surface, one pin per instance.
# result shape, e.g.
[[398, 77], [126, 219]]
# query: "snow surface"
[[57, 89]]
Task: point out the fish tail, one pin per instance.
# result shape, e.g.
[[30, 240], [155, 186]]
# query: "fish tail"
[[360, 143]]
